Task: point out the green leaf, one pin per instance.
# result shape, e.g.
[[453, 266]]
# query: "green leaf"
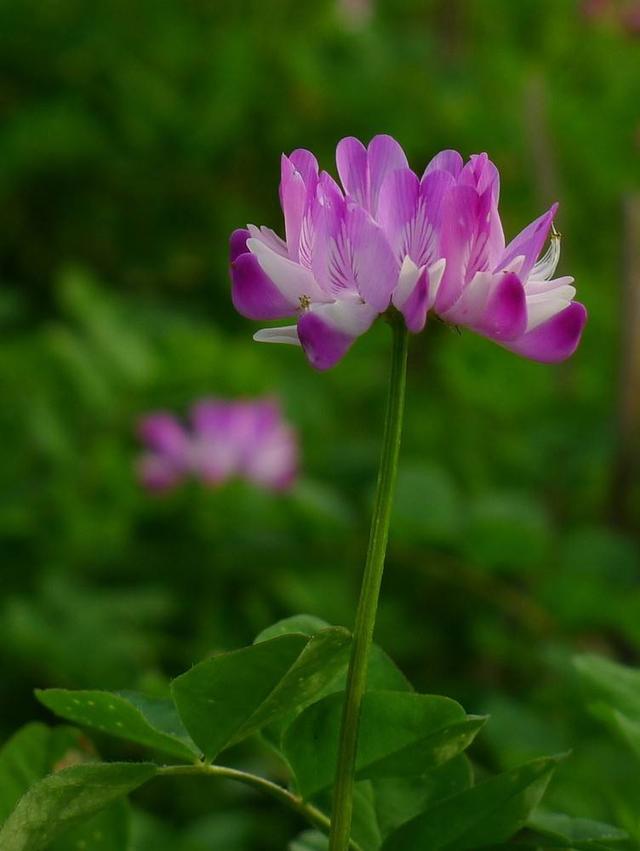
[[22, 762], [109, 830], [616, 692], [399, 799], [401, 734], [30, 754], [487, 814], [610, 682], [364, 828], [229, 697], [627, 728], [147, 721], [575, 833], [298, 624], [62, 800], [383, 673], [310, 840]]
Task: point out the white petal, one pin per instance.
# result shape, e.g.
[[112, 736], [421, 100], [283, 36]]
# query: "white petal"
[[560, 286], [514, 266], [436, 271], [287, 334], [541, 307], [270, 238], [351, 316], [290, 278], [407, 279], [546, 265]]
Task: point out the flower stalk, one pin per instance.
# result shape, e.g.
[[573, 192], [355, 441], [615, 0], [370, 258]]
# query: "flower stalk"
[[312, 814], [370, 591]]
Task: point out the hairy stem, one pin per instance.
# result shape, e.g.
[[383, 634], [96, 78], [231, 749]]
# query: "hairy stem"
[[294, 802], [369, 593]]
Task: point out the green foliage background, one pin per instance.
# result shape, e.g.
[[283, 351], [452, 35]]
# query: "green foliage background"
[[135, 136]]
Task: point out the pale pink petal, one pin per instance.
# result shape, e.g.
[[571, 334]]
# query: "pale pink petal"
[[492, 305], [294, 193], [464, 239], [271, 456], [397, 210], [385, 156], [220, 430], [270, 238], [291, 279], [165, 435], [481, 173], [449, 161], [411, 295], [351, 159], [307, 165], [373, 265]]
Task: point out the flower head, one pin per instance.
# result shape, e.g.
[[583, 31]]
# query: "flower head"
[[225, 440], [388, 238]]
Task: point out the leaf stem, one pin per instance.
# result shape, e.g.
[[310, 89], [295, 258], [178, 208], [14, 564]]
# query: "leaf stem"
[[369, 592], [294, 802]]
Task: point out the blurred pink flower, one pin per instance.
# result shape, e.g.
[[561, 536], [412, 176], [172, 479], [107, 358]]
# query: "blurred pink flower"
[[624, 13], [355, 13], [225, 440]]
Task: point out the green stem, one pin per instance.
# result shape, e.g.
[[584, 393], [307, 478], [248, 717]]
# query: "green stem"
[[312, 814], [369, 593]]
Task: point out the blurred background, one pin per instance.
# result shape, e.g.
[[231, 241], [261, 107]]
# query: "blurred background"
[[135, 136]]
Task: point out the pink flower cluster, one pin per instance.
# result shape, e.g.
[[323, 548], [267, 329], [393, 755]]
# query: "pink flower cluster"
[[225, 439], [387, 238]]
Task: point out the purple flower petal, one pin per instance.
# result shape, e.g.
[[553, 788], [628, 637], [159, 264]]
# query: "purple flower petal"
[[464, 241], [307, 165], [220, 431], [363, 170], [492, 305], [163, 434], [238, 243], [411, 296], [481, 173], [327, 251], [554, 340], [449, 161], [254, 294], [351, 159], [328, 331], [271, 456], [270, 239], [373, 267], [209, 417], [528, 244], [397, 209], [384, 156], [299, 176], [292, 280], [351, 255]]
